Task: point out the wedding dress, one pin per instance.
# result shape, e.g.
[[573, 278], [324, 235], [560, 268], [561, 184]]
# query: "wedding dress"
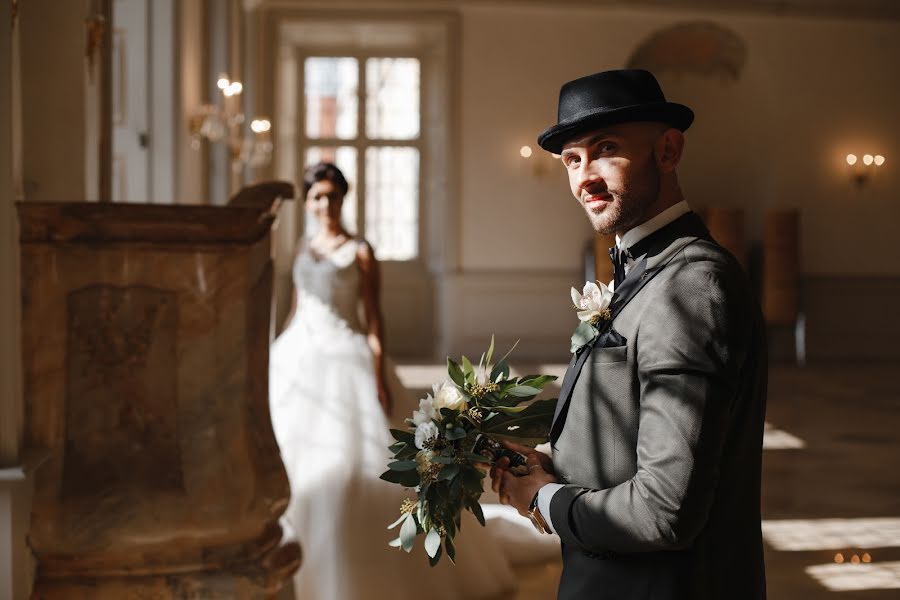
[[334, 443]]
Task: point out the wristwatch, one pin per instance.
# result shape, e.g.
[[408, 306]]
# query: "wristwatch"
[[534, 514]]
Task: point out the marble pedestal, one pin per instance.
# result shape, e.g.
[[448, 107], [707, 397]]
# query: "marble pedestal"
[[145, 346]]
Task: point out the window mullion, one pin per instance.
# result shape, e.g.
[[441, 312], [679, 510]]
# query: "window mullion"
[[361, 152]]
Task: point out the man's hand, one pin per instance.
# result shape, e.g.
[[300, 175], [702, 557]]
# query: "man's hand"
[[519, 491]]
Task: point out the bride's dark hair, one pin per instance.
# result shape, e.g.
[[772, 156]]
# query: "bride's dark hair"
[[324, 171]]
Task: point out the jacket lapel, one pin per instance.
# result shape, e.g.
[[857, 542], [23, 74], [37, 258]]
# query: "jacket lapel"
[[661, 247]]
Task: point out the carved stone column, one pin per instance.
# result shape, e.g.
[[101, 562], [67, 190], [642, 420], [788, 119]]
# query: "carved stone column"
[[145, 342]]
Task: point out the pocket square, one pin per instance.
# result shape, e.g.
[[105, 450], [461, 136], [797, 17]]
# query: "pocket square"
[[610, 339]]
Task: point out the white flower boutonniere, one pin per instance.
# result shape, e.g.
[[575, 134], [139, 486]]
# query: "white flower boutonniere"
[[592, 306]]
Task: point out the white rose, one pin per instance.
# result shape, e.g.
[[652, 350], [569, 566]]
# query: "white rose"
[[424, 432], [450, 397], [426, 411], [593, 302]]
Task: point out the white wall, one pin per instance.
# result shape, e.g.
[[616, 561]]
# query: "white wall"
[[813, 91]]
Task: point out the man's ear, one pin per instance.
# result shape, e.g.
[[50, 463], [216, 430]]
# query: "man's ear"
[[667, 150]]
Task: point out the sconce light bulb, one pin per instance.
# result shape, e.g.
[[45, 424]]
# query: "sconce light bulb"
[[525, 151], [851, 159], [236, 87], [223, 81], [260, 125], [868, 159], [879, 160]]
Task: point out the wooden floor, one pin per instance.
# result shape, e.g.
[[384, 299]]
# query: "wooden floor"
[[831, 483]]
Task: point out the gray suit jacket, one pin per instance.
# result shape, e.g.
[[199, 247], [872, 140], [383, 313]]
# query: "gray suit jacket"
[[658, 437]]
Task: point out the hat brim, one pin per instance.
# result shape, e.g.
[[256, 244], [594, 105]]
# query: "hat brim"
[[675, 115]]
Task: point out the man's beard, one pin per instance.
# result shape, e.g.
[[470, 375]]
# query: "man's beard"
[[629, 205]]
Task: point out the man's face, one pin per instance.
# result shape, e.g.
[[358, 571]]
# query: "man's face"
[[613, 174]]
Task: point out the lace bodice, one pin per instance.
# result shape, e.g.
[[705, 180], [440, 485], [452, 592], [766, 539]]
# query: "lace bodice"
[[328, 287]]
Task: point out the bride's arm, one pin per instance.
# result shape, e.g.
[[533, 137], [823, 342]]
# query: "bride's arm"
[[371, 295]]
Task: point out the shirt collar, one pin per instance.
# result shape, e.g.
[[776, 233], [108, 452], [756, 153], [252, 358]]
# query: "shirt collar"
[[636, 234]]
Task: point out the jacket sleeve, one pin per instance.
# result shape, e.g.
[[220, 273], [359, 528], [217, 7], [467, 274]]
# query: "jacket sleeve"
[[690, 345]]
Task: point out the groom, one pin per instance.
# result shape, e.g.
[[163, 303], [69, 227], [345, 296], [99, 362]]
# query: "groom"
[[654, 484]]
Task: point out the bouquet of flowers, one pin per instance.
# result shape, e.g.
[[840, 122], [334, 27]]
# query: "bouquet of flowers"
[[456, 429]]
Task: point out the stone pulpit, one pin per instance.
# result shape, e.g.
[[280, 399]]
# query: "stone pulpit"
[[145, 344]]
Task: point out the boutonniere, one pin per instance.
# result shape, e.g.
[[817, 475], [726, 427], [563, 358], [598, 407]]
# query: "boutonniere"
[[592, 308]]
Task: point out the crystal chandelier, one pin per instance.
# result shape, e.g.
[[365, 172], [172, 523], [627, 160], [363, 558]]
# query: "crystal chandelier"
[[223, 122]]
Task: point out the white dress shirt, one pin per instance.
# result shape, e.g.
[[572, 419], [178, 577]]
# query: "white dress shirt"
[[631, 237]]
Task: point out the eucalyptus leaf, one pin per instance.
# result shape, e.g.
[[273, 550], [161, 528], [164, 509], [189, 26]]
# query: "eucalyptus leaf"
[[457, 432], [398, 521], [538, 381], [530, 426], [523, 390], [434, 560], [448, 472], [432, 542], [468, 370], [584, 334], [395, 543], [455, 373], [397, 447], [450, 548], [408, 533], [505, 356], [404, 436], [402, 465], [500, 371], [490, 354], [475, 507], [405, 478]]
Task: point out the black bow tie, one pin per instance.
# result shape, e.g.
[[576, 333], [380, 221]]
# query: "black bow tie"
[[618, 258]]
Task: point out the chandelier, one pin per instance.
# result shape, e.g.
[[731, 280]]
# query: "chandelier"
[[223, 122]]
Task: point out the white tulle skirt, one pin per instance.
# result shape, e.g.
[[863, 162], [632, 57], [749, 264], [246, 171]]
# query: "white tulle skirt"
[[334, 443]]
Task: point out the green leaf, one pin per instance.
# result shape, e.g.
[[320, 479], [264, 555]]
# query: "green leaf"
[[408, 533], [395, 543], [530, 426], [523, 390], [538, 381], [407, 479], [450, 548], [434, 560], [500, 371], [402, 465], [505, 356], [455, 373], [432, 542], [448, 472], [444, 460], [397, 447], [475, 507], [490, 354], [457, 432], [584, 334], [398, 521], [468, 370], [406, 437]]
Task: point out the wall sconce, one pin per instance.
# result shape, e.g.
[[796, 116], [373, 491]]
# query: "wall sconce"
[[861, 170], [222, 123], [539, 165]]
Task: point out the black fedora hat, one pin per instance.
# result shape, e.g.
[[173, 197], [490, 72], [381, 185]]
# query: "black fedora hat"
[[608, 98]]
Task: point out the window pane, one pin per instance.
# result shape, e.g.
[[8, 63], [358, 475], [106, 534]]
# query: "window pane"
[[392, 202], [330, 88], [346, 160], [392, 98]]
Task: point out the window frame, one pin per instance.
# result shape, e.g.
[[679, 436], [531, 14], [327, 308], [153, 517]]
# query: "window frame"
[[361, 141]]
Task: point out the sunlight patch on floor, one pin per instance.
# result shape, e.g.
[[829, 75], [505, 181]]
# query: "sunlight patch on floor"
[[776, 439], [832, 534], [849, 577]]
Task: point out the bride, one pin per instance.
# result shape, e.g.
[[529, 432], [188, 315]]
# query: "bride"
[[330, 399]]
